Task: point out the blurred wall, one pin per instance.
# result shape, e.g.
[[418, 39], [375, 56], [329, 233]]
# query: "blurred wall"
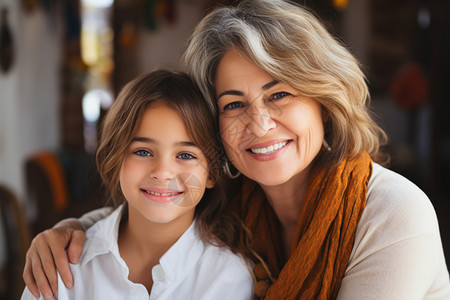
[[28, 94], [30, 97], [29, 91], [164, 47]]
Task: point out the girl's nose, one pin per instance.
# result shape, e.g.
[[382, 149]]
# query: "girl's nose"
[[259, 120], [162, 170]]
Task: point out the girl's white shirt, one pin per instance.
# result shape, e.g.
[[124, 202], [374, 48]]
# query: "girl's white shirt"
[[190, 269]]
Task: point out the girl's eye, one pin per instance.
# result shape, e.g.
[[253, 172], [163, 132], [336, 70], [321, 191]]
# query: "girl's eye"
[[186, 156], [279, 95], [142, 153], [233, 105]]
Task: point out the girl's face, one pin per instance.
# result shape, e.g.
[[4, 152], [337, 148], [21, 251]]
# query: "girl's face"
[[269, 131], [164, 174]]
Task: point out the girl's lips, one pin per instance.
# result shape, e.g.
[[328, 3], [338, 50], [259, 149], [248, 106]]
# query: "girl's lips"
[[159, 195]]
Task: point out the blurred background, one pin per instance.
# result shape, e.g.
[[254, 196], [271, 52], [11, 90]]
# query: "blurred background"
[[63, 61]]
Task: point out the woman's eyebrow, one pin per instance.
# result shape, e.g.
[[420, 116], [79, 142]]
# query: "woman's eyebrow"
[[239, 93], [269, 85], [230, 92]]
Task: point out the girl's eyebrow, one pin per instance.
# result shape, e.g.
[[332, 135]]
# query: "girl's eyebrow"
[[143, 140], [152, 141], [239, 93]]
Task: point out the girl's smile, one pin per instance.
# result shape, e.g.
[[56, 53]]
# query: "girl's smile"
[[161, 195], [164, 174]]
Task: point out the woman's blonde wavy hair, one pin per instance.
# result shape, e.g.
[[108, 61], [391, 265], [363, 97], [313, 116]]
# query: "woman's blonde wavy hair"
[[291, 44]]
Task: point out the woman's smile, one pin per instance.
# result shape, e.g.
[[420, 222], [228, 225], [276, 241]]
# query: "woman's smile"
[[268, 151], [262, 149], [269, 131]]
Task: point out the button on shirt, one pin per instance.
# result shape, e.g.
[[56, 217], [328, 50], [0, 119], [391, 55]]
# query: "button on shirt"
[[190, 269]]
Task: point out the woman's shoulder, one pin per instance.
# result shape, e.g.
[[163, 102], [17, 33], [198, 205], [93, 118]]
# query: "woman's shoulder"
[[396, 210], [391, 196], [389, 183], [397, 244], [397, 252]]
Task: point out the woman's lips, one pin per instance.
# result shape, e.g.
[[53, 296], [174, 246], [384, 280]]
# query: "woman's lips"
[[268, 151]]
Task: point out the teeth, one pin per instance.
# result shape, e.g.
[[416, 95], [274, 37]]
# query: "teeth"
[[269, 149], [163, 194]]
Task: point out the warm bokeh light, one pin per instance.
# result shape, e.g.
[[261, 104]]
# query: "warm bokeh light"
[[340, 4], [98, 3], [97, 53]]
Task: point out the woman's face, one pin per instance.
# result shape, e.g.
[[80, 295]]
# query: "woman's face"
[[269, 131]]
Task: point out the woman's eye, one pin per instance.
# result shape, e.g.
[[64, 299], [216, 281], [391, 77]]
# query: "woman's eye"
[[279, 95], [186, 156], [142, 153], [232, 105]]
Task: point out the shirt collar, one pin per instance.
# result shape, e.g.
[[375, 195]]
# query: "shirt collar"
[[176, 262], [183, 255], [102, 237]]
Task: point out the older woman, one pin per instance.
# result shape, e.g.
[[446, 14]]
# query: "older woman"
[[327, 221]]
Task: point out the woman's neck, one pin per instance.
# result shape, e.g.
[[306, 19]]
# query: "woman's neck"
[[287, 200], [142, 243]]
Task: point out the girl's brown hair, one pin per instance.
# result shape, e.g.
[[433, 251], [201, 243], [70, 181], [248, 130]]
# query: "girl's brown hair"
[[215, 224]]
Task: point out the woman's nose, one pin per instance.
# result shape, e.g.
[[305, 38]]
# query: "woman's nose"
[[260, 120]]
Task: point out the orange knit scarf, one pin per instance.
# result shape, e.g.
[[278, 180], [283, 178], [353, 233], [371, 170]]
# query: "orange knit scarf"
[[325, 233]]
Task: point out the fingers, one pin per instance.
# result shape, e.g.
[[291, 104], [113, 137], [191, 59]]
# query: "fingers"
[[29, 278], [75, 240], [61, 261], [44, 268], [76, 246], [35, 271], [44, 271], [46, 253], [58, 240]]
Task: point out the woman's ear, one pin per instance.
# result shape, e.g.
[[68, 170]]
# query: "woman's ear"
[[210, 183]]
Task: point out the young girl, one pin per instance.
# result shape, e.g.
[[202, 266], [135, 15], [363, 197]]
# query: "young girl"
[[158, 152]]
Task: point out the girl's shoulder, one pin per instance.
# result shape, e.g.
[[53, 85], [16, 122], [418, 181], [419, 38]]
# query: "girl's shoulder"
[[224, 259], [214, 272]]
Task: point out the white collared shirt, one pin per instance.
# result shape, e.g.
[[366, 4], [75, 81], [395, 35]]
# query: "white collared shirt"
[[190, 269]]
